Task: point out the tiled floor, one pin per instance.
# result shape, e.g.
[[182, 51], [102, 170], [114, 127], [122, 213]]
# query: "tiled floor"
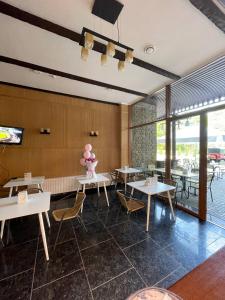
[[114, 258]]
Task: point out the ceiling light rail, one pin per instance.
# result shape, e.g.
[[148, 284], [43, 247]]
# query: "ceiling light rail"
[[87, 43]]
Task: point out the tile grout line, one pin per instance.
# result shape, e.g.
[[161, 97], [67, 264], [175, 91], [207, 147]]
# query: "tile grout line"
[[148, 237], [34, 268], [96, 244], [83, 264], [131, 268], [50, 282], [181, 266], [8, 277], [126, 256]]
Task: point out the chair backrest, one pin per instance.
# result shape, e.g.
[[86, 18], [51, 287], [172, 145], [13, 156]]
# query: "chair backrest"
[[33, 190], [78, 203], [122, 199], [173, 183]]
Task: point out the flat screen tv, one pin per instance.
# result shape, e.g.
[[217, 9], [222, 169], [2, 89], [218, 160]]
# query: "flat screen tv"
[[11, 135]]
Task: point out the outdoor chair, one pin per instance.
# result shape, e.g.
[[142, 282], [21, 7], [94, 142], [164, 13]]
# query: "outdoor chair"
[[194, 184]]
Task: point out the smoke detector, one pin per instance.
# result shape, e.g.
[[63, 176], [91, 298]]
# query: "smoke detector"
[[149, 49]]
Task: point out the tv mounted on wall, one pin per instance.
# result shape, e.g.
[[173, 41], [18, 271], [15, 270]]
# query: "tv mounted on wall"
[[11, 135]]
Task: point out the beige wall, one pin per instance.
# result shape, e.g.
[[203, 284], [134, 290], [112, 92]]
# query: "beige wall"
[[70, 121]]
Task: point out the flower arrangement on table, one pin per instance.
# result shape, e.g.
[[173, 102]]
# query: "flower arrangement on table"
[[89, 161]]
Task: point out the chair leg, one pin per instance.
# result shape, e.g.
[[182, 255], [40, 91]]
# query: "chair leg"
[[81, 221], [57, 237], [211, 194]]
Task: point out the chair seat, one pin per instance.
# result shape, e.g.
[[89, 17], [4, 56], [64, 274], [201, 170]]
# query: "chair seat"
[[65, 213], [165, 195], [134, 205]]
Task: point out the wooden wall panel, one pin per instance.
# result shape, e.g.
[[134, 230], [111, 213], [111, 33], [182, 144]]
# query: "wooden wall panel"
[[70, 121]]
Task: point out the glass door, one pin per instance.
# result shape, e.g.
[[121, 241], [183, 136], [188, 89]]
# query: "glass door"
[[185, 143], [216, 167]]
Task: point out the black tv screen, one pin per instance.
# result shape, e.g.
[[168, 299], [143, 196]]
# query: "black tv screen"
[[11, 135]]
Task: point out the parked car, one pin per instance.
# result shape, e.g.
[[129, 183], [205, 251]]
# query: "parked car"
[[216, 154]]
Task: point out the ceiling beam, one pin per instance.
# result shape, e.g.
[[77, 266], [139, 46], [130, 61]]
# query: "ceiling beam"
[[56, 93], [31, 66], [211, 11], [34, 20]]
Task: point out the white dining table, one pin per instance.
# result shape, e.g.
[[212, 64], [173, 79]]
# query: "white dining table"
[[36, 204], [15, 183], [152, 189], [125, 172], [84, 180]]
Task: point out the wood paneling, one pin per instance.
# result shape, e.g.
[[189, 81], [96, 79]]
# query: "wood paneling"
[[70, 121]]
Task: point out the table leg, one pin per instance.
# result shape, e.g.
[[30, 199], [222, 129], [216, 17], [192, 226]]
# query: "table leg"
[[40, 188], [2, 228], [148, 211], [171, 205], [98, 189], [83, 192], [132, 191], [3, 221], [47, 218], [125, 183], [106, 195], [43, 235], [10, 192]]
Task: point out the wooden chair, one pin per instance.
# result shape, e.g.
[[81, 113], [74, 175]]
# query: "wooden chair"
[[131, 204], [164, 195], [194, 184], [116, 178], [64, 214]]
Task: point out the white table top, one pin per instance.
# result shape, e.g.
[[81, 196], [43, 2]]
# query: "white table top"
[[37, 203], [152, 189], [85, 180], [128, 170], [22, 181]]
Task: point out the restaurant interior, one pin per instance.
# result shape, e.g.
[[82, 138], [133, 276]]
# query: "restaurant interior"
[[112, 149]]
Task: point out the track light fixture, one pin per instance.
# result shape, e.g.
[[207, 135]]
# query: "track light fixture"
[[103, 59], [87, 43], [129, 56], [121, 65], [84, 53], [110, 49]]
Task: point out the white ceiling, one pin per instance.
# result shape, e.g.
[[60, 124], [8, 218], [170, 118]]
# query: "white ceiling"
[[184, 40]]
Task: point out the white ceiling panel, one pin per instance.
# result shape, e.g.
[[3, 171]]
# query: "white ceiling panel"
[[184, 39]]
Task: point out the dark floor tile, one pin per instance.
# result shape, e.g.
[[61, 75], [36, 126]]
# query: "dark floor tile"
[[200, 231], [19, 230], [95, 234], [103, 262], [88, 216], [72, 287], [17, 287], [151, 261], [128, 233], [66, 233], [164, 235], [188, 253], [172, 278], [18, 258], [63, 261], [217, 245], [113, 216], [120, 287]]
